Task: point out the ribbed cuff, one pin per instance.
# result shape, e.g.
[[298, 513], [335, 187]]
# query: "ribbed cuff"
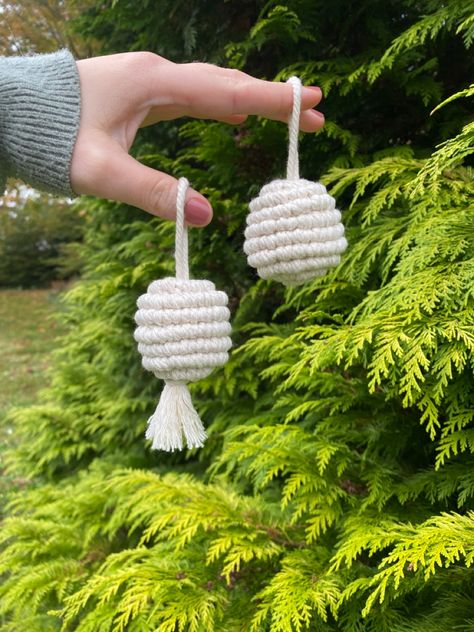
[[39, 118]]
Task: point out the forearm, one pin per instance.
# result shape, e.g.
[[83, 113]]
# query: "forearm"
[[39, 120]]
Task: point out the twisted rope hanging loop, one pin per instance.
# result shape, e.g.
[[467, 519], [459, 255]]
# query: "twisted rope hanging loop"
[[294, 231], [182, 334]]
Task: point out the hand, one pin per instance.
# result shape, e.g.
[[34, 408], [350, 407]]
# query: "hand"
[[121, 93]]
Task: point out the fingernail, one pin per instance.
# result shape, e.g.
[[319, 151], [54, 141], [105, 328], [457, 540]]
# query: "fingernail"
[[198, 211]]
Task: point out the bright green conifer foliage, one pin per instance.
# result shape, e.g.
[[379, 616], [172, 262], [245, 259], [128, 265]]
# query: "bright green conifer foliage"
[[335, 492]]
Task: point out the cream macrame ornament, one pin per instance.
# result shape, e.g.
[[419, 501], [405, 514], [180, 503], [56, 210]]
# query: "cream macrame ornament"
[[182, 334], [294, 231]]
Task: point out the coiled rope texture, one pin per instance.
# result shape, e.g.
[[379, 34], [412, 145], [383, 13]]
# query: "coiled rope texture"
[[294, 232]]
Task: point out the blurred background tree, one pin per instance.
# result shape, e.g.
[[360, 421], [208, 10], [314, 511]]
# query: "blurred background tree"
[[29, 26], [39, 239], [335, 491]]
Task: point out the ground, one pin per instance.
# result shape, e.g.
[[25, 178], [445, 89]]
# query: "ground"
[[27, 338]]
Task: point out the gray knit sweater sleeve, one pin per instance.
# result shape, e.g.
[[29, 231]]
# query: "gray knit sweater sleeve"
[[39, 119]]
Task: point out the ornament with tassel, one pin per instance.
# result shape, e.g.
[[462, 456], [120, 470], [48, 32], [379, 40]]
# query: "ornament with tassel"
[[183, 334]]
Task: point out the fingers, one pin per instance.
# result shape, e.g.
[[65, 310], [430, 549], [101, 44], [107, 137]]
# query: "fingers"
[[310, 121], [100, 167], [275, 100], [234, 119], [207, 91]]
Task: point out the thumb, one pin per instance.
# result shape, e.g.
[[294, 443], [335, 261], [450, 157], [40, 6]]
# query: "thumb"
[[106, 170]]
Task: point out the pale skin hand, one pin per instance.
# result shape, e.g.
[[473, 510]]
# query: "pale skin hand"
[[121, 93]]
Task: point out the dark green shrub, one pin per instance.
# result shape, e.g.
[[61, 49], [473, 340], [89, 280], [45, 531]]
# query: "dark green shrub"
[[36, 237]]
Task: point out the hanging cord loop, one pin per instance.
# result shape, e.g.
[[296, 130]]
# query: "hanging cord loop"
[[293, 168], [181, 245]]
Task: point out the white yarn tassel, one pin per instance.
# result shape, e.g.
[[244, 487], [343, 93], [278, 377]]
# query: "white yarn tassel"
[[175, 417]]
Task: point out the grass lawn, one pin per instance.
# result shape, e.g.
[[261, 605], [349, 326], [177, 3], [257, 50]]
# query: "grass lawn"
[[27, 334]]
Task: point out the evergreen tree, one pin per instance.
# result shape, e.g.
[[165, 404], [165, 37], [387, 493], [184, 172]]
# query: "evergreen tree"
[[39, 237], [336, 489]]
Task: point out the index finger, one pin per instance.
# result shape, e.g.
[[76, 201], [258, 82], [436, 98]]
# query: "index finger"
[[208, 91]]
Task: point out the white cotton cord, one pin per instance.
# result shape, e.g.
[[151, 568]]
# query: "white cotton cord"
[[294, 232], [175, 419], [181, 244], [182, 334], [293, 165]]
